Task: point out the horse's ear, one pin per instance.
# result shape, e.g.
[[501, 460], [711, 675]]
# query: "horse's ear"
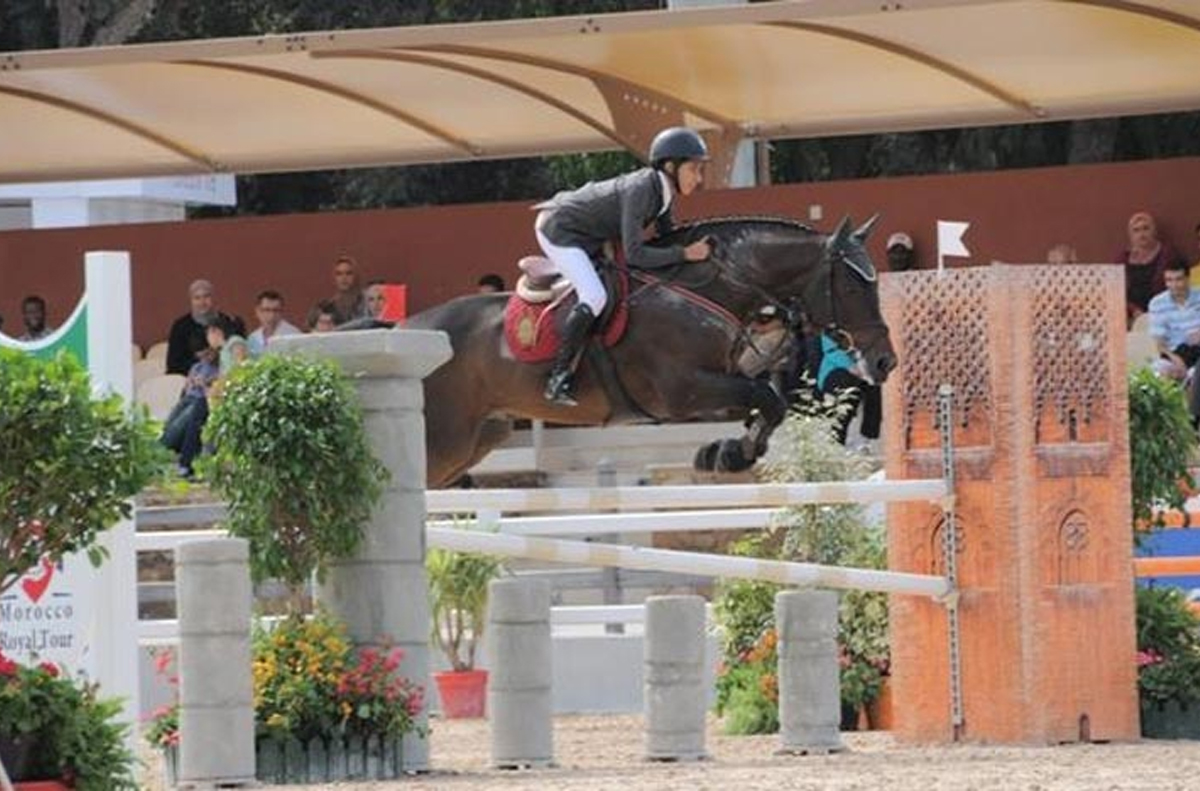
[[864, 230], [841, 234]]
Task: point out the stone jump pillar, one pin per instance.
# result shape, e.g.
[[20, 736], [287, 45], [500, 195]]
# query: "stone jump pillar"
[[216, 691], [520, 705], [810, 700], [1036, 359], [676, 698], [381, 593]]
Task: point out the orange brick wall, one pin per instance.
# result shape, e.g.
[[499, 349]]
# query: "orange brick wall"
[[1036, 357]]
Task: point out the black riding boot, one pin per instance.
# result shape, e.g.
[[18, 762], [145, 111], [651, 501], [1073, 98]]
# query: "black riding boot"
[[560, 385]]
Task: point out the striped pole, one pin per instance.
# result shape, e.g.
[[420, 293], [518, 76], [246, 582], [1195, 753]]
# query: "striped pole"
[[630, 557]]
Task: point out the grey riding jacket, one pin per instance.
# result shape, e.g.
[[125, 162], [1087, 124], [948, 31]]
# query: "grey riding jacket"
[[617, 208]]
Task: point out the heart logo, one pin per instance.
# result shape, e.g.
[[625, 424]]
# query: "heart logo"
[[35, 587]]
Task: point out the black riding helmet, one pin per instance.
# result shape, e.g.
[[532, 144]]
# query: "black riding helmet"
[[677, 144]]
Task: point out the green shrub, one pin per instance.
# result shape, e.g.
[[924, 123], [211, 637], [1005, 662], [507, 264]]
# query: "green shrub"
[[1168, 641], [70, 462], [1162, 443], [293, 462]]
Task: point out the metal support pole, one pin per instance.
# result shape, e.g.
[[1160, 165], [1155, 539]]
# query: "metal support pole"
[[950, 557]]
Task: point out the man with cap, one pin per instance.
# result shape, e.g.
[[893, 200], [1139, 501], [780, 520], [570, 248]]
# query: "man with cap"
[[900, 254], [189, 332]]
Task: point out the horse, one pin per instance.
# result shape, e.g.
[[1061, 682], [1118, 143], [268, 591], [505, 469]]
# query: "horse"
[[676, 361]]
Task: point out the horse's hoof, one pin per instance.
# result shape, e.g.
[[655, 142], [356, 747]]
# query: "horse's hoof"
[[732, 458], [706, 457]]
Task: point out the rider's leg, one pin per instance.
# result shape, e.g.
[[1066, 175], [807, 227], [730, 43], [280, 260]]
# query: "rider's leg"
[[573, 263]]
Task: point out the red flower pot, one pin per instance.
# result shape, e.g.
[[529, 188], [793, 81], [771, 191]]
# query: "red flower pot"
[[463, 693]]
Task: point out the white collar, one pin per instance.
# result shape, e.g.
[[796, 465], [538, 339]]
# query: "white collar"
[[668, 193]]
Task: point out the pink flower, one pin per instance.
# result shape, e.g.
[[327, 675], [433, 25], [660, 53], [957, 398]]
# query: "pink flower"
[[1148, 657], [162, 661]]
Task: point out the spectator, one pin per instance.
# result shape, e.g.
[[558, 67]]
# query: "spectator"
[[188, 335], [1175, 324], [1145, 261], [269, 310], [33, 315], [322, 317], [900, 254], [375, 299], [1062, 253], [491, 283], [838, 376], [182, 430], [348, 301]]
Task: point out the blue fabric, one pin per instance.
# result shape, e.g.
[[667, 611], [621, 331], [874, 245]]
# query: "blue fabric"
[[833, 358]]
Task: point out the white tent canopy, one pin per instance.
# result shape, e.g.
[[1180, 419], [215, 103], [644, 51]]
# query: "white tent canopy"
[[504, 89]]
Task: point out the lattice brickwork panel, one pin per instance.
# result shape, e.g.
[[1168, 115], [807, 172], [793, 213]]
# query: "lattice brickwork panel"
[[945, 327], [1070, 344]]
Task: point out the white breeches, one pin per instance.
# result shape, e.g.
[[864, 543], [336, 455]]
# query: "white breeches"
[[573, 264]]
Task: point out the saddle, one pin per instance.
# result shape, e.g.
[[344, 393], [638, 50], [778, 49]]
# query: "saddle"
[[532, 316]]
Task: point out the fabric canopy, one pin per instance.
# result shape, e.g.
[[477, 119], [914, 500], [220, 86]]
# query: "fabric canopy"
[[503, 89]]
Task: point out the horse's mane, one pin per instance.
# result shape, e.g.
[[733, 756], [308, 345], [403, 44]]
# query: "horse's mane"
[[697, 228]]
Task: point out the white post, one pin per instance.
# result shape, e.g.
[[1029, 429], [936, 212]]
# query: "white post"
[[109, 337], [520, 704], [810, 706], [675, 697]]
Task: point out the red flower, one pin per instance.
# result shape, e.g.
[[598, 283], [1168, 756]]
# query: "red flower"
[[7, 666], [49, 668]]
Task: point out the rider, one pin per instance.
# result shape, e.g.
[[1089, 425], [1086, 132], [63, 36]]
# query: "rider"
[[572, 228]]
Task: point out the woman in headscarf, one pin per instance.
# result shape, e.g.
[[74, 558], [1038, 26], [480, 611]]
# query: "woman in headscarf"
[[1145, 260]]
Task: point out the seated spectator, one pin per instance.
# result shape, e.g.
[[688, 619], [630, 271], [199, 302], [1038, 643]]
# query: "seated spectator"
[[491, 283], [33, 315], [1145, 261], [269, 310], [323, 317], [375, 299], [348, 300], [900, 254], [839, 376], [1062, 254], [1175, 326], [188, 335], [183, 428]]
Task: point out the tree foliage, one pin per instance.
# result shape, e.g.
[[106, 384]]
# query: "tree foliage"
[[70, 464], [294, 464], [1162, 443]]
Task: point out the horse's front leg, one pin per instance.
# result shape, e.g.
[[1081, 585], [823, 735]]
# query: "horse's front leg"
[[767, 409]]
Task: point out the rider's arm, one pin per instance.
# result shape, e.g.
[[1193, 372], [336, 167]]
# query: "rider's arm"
[[640, 199]]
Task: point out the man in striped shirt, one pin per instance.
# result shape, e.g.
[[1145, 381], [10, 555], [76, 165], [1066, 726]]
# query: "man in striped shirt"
[[1175, 324]]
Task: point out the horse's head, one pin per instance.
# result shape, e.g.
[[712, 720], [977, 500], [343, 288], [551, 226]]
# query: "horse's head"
[[833, 278], [851, 296]]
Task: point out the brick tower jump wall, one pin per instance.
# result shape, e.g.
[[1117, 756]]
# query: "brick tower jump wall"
[[1036, 356]]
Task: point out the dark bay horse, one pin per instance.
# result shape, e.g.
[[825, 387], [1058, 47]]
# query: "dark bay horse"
[[677, 359]]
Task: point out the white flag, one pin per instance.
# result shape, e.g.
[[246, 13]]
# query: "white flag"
[[950, 242]]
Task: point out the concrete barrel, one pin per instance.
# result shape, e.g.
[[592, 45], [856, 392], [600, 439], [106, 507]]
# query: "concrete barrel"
[[520, 705], [675, 697], [810, 704], [216, 691]]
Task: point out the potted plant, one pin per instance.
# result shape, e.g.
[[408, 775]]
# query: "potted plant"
[[63, 730], [1168, 640], [458, 590], [71, 464], [323, 710]]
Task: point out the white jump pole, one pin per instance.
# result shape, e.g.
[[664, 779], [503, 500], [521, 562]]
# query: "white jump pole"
[[774, 495], [629, 557]]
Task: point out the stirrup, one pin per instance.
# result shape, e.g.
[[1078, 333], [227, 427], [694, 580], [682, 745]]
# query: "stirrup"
[[560, 389]]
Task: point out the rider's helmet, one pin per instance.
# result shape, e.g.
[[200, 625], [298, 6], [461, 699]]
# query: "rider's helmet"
[[677, 144]]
